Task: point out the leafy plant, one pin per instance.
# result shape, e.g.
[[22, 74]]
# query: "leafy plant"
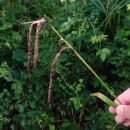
[[24, 97]]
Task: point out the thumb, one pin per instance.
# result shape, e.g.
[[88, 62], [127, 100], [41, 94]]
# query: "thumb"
[[123, 110]]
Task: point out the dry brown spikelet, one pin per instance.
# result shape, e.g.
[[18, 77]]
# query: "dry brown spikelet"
[[36, 49], [50, 91], [29, 47]]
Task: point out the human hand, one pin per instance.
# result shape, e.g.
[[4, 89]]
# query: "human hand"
[[122, 111]]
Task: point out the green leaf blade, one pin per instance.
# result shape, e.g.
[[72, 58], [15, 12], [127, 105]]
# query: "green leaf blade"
[[105, 99]]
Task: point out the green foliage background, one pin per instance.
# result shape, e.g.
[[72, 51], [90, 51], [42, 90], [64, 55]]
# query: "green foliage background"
[[98, 30]]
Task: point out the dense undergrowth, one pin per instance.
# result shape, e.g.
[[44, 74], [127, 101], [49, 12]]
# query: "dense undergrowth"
[[98, 30]]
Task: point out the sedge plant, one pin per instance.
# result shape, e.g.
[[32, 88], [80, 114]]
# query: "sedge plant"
[[101, 96], [68, 45]]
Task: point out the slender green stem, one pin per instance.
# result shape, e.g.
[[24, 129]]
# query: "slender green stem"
[[92, 28], [82, 111], [86, 64], [70, 87]]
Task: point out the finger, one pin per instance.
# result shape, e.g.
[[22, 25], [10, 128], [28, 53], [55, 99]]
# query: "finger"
[[127, 111], [123, 110], [124, 97], [112, 110], [119, 119], [121, 99], [126, 123], [120, 110]]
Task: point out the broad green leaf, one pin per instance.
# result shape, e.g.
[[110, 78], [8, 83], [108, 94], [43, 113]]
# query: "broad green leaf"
[[21, 108], [103, 56], [16, 36], [8, 77], [65, 124], [103, 53], [66, 25], [19, 55], [43, 114], [104, 98], [81, 81], [106, 51], [76, 103], [5, 72], [128, 53], [98, 52], [18, 118], [17, 86], [31, 113], [32, 104], [78, 87], [96, 83], [128, 7], [51, 127], [1, 95], [62, 30]]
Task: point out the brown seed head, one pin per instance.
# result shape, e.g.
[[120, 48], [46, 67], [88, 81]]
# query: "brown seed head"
[[29, 47], [50, 91]]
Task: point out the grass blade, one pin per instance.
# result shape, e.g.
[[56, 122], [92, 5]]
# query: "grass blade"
[[104, 98], [102, 7], [98, 6]]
